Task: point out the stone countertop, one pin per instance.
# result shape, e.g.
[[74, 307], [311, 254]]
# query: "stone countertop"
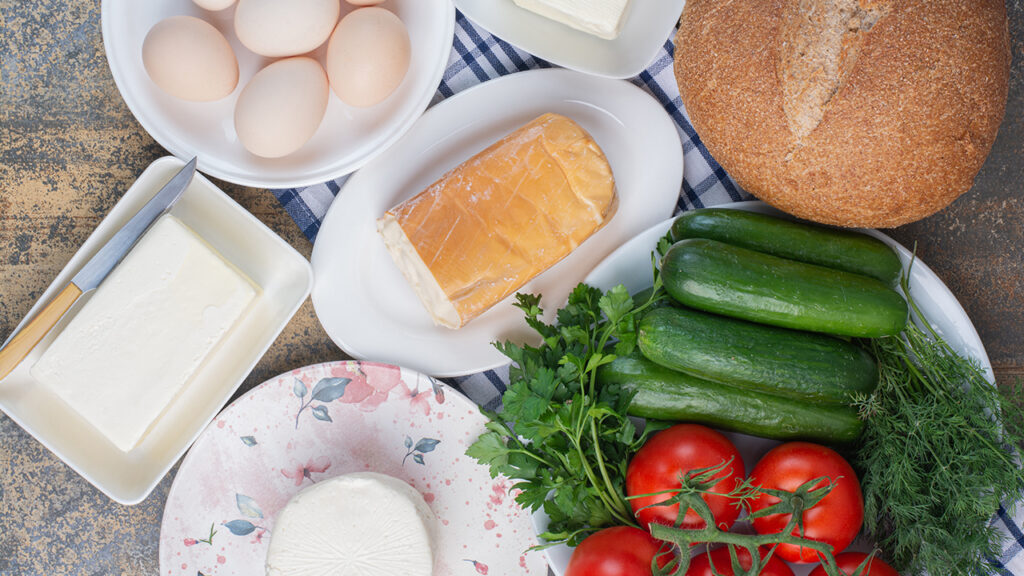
[[69, 147]]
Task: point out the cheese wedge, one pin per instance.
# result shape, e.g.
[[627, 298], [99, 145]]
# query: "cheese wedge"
[[501, 218], [362, 524], [132, 349], [602, 18]]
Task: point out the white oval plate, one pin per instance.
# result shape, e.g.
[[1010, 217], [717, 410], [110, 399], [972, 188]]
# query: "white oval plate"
[[296, 429], [348, 137], [648, 25], [630, 265], [360, 296]]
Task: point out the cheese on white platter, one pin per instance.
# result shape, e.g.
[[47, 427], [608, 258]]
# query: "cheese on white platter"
[[602, 18], [130, 351], [416, 271], [362, 524]]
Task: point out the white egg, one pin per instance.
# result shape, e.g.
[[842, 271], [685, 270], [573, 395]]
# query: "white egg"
[[368, 56], [365, 2], [282, 107], [214, 4], [190, 59], [278, 28]]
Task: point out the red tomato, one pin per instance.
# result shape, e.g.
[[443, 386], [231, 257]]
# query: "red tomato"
[[701, 565], [618, 551], [836, 520], [657, 466], [849, 561]]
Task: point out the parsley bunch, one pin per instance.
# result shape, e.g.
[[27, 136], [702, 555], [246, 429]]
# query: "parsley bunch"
[[564, 440]]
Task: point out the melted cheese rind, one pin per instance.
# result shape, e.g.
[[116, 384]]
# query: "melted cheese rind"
[[136, 343], [363, 524], [499, 219]]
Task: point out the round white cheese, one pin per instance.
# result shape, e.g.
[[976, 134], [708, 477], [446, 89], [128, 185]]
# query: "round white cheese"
[[363, 524]]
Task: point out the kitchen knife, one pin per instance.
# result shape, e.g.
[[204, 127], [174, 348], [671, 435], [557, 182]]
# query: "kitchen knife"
[[95, 270]]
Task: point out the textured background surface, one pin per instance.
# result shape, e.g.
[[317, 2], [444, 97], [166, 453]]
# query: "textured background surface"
[[69, 147]]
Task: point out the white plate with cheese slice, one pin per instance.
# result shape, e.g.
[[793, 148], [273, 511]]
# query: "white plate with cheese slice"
[[367, 306], [123, 434], [643, 28], [311, 425]]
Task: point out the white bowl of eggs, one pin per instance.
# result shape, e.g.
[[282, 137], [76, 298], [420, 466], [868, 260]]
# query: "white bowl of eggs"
[[277, 93]]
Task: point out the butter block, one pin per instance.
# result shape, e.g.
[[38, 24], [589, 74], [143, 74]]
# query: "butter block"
[[133, 347], [602, 18]]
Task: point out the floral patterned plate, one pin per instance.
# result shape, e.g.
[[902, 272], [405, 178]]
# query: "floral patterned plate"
[[321, 421]]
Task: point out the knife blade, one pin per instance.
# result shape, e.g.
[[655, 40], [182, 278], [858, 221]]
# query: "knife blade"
[[111, 254], [94, 271]]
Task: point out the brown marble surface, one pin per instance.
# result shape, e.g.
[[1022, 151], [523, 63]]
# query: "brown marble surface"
[[69, 147]]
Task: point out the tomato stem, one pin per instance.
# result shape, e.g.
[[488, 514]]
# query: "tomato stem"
[[795, 503]]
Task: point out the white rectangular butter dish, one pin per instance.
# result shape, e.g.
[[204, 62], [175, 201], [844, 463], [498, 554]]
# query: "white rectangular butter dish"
[[284, 279]]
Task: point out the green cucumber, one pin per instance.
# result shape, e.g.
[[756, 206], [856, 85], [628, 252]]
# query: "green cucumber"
[[802, 365], [663, 394], [830, 247], [733, 281]]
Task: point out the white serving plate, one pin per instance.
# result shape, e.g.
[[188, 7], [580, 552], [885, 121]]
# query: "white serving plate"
[[285, 279], [348, 137], [270, 444], [648, 25], [630, 265], [361, 297]]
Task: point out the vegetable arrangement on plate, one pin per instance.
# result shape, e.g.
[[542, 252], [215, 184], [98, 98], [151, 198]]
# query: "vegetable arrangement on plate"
[[772, 328]]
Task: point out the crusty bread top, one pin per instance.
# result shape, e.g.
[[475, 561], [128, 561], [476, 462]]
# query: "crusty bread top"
[[510, 212], [848, 112]]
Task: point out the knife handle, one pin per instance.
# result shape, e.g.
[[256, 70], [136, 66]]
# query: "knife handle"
[[23, 342]]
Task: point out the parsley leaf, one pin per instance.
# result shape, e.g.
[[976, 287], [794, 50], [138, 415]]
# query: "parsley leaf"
[[563, 439]]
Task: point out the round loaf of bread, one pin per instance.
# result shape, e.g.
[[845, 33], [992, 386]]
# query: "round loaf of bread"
[[869, 113]]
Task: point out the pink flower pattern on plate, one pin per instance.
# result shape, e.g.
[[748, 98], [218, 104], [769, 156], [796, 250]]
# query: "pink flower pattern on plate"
[[419, 399], [306, 471], [370, 384], [356, 414], [207, 540]]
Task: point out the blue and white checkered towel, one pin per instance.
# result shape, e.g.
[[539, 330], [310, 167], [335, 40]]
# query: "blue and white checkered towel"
[[476, 57]]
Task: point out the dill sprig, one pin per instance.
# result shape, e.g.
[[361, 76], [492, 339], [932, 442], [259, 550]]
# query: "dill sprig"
[[1013, 408], [935, 460]]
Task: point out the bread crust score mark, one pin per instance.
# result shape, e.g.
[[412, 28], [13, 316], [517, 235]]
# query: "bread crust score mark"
[[821, 42]]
